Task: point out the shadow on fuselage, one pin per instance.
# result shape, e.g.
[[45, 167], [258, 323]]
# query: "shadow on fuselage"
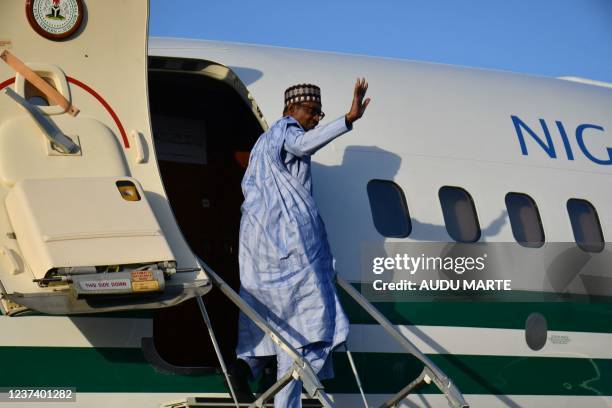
[[345, 188]]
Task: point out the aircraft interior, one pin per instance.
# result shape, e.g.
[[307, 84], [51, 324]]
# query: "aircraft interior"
[[203, 130]]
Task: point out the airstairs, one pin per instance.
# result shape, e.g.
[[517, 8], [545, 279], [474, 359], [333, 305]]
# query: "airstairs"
[[317, 396]]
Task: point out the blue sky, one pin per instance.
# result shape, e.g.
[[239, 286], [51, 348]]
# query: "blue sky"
[[543, 37]]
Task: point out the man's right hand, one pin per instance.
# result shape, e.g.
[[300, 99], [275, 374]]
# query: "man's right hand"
[[359, 105]]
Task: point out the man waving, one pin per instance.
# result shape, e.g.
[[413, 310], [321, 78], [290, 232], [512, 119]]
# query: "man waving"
[[286, 266]]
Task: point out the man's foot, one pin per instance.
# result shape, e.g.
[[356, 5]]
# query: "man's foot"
[[239, 374]]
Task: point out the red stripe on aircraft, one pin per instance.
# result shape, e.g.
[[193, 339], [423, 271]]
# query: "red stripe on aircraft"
[[96, 95], [110, 110], [6, 83]]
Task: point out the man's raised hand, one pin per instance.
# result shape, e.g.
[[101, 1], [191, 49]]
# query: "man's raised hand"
[[359, 105]]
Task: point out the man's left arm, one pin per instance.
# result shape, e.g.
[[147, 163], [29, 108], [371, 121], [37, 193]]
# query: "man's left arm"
[[302, 143]]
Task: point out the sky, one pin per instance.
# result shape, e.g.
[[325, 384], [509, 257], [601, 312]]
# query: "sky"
[[542, 37]]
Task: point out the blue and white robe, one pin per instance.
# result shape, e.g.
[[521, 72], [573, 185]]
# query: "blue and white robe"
[[286, 266]]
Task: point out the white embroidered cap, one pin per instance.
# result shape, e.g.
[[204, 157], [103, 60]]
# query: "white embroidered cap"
[[302, 93]]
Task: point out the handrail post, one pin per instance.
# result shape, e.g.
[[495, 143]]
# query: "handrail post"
[[452, 393], [309, 378]]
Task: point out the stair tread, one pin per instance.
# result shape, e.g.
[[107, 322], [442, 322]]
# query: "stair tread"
[[228, 402]]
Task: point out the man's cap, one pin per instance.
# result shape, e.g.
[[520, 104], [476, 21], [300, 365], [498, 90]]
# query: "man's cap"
[[302, 93]]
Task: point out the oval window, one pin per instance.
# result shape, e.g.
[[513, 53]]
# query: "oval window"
[[459, 214], [585, 225], [525, 220], [389, 209]]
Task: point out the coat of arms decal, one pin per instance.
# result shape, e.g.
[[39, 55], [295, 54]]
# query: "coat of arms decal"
[[55, 19]]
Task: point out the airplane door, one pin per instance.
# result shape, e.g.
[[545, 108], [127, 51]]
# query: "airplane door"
[[85, 224]]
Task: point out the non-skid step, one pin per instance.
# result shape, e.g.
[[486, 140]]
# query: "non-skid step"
[[223, 402]]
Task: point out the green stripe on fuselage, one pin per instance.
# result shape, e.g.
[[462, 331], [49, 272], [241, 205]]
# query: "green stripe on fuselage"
[[572, 315], [580, 315], [388, 373], [125, 370]]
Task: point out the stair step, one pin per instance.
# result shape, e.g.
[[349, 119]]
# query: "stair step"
[[222, 402]]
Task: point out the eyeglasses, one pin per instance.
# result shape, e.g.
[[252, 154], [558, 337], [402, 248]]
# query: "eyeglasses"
[[313, 111]]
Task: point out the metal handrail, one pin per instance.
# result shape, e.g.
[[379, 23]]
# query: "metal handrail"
[[431, 371], [301, 368]]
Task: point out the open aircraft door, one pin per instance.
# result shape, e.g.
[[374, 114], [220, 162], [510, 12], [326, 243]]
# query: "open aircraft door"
[[85, 224]]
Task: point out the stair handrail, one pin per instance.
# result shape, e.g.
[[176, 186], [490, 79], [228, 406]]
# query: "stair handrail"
[[301, 367], [431, 371]]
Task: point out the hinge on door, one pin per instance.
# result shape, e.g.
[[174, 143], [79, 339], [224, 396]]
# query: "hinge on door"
[[10, 308]]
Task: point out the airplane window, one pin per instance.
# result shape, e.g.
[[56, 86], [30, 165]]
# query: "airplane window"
[[525, 220], [34, 95], [585, 224], [459, 214], [38, 101], [389, 209]]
